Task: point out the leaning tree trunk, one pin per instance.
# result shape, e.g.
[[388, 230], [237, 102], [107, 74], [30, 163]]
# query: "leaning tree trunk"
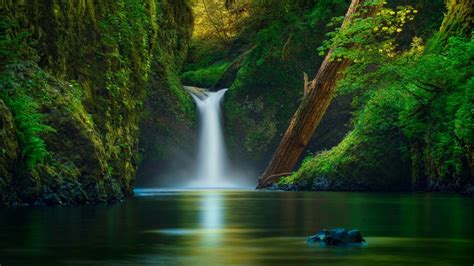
[[318, 96]]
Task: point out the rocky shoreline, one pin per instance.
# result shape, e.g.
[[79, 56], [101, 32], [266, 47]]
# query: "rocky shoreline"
[[326, 184]]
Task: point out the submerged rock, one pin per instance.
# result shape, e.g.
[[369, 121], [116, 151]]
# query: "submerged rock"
[[337, 237]]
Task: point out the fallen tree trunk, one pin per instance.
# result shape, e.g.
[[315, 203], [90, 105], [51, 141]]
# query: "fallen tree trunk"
[[313, 106]]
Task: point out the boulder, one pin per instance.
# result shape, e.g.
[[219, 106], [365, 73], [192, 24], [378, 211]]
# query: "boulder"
[[337, 237]]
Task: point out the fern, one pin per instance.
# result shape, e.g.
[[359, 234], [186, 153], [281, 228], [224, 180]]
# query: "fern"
[[30, 126], [17, 57]]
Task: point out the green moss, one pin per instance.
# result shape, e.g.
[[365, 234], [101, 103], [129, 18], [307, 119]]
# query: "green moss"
[[169, 110], [9, 154], [28, 119], [112, 53], [205, 77]]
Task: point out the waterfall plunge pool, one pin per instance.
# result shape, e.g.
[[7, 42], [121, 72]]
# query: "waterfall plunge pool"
[[230, 227]]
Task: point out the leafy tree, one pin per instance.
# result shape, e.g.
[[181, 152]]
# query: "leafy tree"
[[416, 103]]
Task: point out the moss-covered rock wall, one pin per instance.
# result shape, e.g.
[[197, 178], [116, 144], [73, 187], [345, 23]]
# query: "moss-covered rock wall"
[[9, 152], [87, 71], [165, 96]]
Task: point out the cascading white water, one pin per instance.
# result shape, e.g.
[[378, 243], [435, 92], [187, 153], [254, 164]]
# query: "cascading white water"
[[212, 155]]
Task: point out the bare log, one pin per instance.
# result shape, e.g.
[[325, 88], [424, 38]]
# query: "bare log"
[[313, 106]]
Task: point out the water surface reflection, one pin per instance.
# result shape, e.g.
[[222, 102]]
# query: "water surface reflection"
[[219, 227], [211, 221]]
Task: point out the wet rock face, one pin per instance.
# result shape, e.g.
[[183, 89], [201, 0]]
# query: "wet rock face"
[[9, 151], [337, 237]]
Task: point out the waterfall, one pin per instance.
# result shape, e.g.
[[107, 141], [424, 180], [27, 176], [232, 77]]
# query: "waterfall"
[[212, 160]]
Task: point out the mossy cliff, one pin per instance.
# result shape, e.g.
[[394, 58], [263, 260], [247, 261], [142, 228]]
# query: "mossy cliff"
[[79, 79], [9, 150]]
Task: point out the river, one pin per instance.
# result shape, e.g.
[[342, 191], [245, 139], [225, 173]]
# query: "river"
[[234, 227]]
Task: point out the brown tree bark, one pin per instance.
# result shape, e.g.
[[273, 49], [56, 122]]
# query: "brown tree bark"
[[313, 106]]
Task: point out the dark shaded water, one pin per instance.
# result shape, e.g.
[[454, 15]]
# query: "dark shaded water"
[[242, 228]]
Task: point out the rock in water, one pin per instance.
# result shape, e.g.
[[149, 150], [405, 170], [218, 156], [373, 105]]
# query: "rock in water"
[[337, 237]]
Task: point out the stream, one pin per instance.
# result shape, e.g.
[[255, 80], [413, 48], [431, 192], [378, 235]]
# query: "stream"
[[238, 227]]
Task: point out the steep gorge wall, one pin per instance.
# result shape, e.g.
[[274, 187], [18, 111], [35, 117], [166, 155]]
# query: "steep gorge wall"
[[9, 151], [93, 71]]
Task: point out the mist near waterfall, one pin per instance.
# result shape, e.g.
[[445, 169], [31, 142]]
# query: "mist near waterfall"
[[208, 167]]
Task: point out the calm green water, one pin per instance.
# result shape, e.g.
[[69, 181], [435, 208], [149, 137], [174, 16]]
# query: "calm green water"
[[242, 228]]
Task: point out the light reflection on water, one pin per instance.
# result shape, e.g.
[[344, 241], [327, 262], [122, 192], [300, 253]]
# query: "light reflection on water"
[[228, 227], [211, 218]]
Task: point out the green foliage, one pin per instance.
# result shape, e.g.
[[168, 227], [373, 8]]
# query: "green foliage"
[[278, 41], [219, 20], [205, 77], [412, 106], [207, 60], [30, 126], [123, 57], [327, 163], [282, 37], [15, 91], [126, 31], [439, 114], [169, 110], [362, 36], [13, 46]]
